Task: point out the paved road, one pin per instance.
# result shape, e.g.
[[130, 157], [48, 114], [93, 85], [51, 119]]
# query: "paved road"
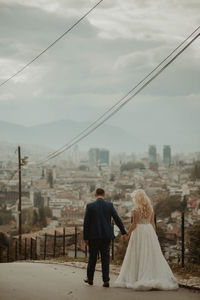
[[28, 281]]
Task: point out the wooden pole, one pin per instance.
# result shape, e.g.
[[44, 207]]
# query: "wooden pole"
[[19, 204]]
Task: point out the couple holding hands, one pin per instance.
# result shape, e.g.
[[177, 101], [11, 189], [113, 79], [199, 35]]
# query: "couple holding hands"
[[144, 266]]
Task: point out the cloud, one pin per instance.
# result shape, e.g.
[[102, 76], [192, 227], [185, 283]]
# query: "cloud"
[[99, 61]]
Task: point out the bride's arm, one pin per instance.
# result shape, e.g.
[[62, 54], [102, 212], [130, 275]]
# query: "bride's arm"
[[134, 224], [152, 222]]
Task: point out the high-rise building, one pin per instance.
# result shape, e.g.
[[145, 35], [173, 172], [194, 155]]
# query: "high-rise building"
[[104, 157], [75, 156], [152, 154], [98, 156], [93, 156], [167, 155]]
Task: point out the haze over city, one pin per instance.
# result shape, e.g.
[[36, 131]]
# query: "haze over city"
[[120, 43]]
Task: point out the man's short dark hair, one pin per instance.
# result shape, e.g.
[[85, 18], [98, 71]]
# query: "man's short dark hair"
[[100, 192]]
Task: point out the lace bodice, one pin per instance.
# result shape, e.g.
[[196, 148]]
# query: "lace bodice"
[[143, 220]]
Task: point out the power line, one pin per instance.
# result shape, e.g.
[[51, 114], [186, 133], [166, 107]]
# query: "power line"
[[120, 107], [127, 94], [52, 44], [78, 137]]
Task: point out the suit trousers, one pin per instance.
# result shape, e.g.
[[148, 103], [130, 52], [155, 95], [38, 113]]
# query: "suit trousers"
[[96, 246]]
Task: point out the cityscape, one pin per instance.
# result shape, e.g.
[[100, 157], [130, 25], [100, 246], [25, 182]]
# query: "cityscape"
[[65, 185]]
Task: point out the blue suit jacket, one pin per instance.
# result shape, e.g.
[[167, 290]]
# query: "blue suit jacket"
[[97, 221]]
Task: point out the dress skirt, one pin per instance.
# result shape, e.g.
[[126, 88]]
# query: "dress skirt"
[[144, 266]]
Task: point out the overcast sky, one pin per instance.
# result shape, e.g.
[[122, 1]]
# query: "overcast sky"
[[99, 61]]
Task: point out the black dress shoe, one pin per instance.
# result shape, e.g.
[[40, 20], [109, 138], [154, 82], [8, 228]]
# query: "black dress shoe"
[[106, 284], [90, 282]]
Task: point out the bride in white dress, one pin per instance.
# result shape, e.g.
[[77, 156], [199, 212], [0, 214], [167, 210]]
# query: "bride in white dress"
[[144, 266]]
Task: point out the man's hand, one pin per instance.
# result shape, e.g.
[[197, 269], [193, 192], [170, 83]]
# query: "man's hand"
[[86, 242], [125, 237]]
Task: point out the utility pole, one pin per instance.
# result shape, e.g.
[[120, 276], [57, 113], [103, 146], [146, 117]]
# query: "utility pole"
[[20, 202], [21, 162]]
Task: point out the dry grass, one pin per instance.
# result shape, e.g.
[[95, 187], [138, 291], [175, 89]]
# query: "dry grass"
[[188, 271]]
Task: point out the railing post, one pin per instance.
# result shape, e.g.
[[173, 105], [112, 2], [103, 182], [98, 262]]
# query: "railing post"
[[45, 245], [63, 241], [183, 239], [31, 249], [75, 254], [85, 251], [16, 257], [36, 248], [54, 244], [155, 220], [25, 248], [112, 243], [8, 253]]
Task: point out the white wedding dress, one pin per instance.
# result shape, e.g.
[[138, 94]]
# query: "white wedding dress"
[[144, 266]]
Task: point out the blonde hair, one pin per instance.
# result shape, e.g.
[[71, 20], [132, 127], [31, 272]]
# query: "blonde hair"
[[142, 203]]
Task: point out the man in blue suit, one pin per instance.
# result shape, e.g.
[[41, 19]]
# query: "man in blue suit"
[[98, 233]]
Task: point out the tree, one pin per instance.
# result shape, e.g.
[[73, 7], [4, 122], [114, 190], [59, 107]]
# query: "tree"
[[48, 212], [195, 172], [121, 247], [27, 216], [31, 218], [38, 199], [35, 218], [42, 217], [116, 196], [112, 177], [193, 243], [83, 168], [50, 179], [43, 175], [164, 208], [3, 240], [5, 216], [3, 245], [108, 198], [161, 237], [92, 188], [129, 166]]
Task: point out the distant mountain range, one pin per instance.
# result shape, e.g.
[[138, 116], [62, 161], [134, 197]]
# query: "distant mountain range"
[[56, 134]]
